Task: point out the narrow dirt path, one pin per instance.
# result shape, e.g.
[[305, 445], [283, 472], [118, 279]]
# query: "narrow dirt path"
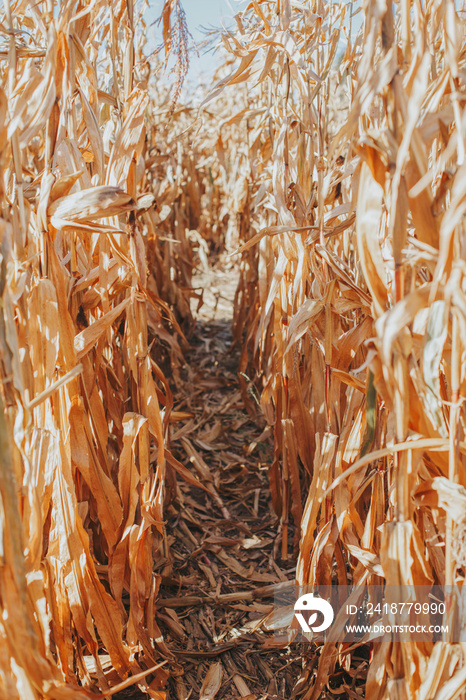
[[224, 560]]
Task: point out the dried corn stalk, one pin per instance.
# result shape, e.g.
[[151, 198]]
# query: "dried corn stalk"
[[354, 285], [85, 405]]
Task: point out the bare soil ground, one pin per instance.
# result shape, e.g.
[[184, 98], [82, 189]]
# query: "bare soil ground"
[[224, 543]]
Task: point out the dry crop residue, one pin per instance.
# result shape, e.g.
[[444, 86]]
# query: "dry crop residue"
[[223, 555], [222, 544]]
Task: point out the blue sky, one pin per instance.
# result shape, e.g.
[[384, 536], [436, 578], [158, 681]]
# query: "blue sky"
[[207, 13]]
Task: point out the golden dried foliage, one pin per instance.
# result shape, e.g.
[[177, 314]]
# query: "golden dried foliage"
[[334, 154], [89, 308], [352, 297]]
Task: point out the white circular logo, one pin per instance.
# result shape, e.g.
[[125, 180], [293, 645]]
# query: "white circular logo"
[[309, 603]]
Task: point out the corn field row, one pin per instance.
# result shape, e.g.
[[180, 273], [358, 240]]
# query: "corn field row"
[[329, 158]]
